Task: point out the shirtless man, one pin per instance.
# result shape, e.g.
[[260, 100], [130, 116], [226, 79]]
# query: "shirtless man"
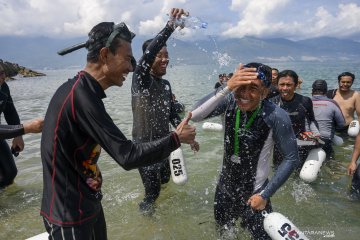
[[348, 99]]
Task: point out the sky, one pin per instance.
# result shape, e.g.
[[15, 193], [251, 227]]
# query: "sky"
[[291, 19]]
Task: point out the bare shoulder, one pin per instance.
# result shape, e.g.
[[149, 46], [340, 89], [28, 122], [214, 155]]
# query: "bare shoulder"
[[356, 97], [356, 94]]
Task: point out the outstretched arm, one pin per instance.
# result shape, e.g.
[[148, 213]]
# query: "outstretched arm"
[[208, 104], [11, 131], [139, 82]]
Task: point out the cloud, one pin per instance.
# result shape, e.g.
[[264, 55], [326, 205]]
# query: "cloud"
[[229, 19], [255, 17], [344, 23], [152, 26], [89, 14], [277, 18]]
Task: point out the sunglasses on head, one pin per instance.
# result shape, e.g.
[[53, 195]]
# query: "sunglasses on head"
[[261, 74]]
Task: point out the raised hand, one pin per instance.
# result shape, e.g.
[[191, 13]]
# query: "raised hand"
[[176, 13]]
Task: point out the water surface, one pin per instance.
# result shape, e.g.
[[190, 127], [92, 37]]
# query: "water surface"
[[322, 209]]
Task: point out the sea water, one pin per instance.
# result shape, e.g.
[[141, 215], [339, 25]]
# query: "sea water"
[[322, 209]]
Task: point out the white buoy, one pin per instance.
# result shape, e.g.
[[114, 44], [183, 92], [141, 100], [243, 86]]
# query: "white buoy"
[[338, 141], [353, 129], [178, 168], [279, 227], [42, 236], [212, 126], [312, 165]]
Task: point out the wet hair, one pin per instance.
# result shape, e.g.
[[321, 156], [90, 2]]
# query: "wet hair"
[[319, 86], [98, 37], [264, 72], [105, 34], [289, 73], [275, 69], [146, 44], [349, 74]]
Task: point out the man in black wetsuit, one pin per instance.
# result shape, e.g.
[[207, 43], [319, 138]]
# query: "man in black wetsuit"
[[222, 80], [252, 126], [76, 128], [8, 170], [153, 108], [300, 110]]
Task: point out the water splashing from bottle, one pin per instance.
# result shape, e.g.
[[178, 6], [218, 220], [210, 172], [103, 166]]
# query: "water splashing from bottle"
[[223, 59]]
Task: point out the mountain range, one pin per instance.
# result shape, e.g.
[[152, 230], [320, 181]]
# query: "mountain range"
[[40, 52]]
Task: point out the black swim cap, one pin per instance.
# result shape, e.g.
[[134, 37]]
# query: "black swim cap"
[[320, 86], [264, 72]]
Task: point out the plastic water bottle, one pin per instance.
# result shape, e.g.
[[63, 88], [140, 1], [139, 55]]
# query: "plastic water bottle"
[[190, 22]]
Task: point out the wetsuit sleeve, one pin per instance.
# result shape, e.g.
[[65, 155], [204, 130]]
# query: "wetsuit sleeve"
[[283, 134], [175, 119], [313, 127], [139, 82], [93, 119], [11, 131], [10, 113], [311, 124], [211, 105], [178, 106], [309, 109]]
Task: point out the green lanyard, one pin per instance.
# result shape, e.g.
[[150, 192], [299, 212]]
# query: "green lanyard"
[[237, 127]]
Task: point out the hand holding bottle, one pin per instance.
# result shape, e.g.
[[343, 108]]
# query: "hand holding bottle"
[[180, 18], [175, 15]]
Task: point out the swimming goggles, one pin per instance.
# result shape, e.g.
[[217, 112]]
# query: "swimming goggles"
[[261, 75], [119, 30]]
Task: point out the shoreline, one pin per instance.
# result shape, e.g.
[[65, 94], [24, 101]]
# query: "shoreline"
[[14, 69]]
